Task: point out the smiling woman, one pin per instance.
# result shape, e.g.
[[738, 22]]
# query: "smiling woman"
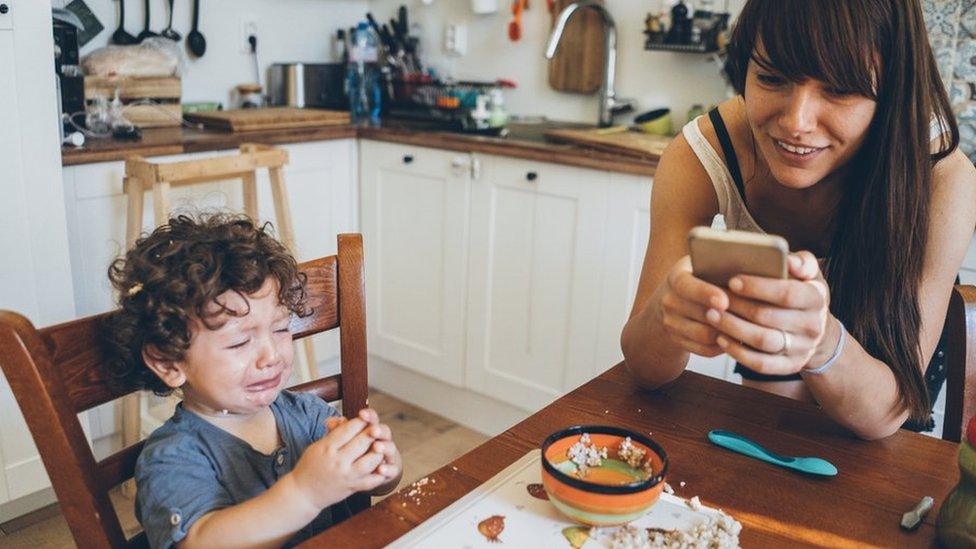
[[841, 139]]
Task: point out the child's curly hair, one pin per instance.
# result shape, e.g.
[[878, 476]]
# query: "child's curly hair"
[[175, 275]]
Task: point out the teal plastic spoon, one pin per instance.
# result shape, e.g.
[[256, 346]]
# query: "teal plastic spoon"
[[742, 445]]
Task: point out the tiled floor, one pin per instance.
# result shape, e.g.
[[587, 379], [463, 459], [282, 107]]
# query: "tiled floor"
[[426, 441]]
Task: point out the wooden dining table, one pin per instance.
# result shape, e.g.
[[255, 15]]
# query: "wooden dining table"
[[862, 506]]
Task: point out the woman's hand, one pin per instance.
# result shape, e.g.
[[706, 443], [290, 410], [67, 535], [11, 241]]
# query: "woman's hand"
[[772, 326], [684, 302]]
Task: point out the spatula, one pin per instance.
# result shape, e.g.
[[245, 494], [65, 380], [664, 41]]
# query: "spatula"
[[738, 443]]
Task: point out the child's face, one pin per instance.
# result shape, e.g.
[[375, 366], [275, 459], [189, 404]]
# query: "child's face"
[[243, 365]]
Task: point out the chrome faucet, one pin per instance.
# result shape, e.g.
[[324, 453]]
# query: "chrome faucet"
[[609, 104]]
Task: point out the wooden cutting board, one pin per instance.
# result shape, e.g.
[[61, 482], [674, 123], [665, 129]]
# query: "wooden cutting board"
[[631, 143], [270, 118], [578, 66]]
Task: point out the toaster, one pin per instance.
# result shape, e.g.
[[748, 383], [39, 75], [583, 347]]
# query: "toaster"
[[320, 85]]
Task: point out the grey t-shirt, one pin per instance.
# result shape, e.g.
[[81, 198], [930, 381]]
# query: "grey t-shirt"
[[190, 467]]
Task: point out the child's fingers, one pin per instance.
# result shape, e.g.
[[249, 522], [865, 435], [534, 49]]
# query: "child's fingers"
[[367, 463], [388, 470], [369, 415], [385, 447], [381, 432], [368, 482], [357, 446], [334, 421], [344, 432]]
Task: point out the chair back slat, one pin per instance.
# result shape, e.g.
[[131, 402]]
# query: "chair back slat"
[[119, 467], [77, 353], [326, 388], [57, 372], [323, 295], [960, 362]]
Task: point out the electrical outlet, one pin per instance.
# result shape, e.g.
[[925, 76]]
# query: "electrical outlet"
[[249, 27], [456, 39]]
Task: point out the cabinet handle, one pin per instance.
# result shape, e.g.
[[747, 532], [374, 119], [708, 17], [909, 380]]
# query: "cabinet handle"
[[532, 176], [4, 8], [408, 159]]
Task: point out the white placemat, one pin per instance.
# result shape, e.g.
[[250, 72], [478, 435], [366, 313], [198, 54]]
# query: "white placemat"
[[529, 521]]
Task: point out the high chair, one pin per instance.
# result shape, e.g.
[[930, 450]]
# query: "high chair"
[[142, 175], [59, 371]]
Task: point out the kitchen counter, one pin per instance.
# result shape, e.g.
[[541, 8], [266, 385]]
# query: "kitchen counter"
[[525, 141]]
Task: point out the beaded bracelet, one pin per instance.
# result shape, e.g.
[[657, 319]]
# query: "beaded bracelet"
[[833, 358]]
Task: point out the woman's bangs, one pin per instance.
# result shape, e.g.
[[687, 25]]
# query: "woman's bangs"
[[799, 42]]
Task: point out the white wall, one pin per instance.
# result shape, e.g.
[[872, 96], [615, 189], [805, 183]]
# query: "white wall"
[[655, 79], [288, 30]]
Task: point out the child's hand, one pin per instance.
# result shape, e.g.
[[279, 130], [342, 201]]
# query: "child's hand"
[[392, 466], [339, 464]]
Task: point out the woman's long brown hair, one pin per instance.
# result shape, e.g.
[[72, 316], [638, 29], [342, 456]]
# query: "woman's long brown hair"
[[878, 49]]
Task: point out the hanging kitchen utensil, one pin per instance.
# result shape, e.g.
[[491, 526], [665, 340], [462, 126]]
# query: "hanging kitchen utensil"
[[168, 32], [146, 33], [515, 27], [195, 40], [120, 36]]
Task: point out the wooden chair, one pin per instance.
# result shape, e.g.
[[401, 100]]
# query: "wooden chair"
[[143, 176], [57, 372], [960, 362]]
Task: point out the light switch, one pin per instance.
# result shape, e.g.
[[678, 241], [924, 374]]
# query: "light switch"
[[456, 38]]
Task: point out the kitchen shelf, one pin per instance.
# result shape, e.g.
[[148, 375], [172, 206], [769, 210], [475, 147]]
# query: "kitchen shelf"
[[682, 48]]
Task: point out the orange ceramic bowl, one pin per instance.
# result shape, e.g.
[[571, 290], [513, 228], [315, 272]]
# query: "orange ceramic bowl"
[[601, 504]]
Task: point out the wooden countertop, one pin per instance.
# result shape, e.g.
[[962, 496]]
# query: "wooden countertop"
[[524, 141]]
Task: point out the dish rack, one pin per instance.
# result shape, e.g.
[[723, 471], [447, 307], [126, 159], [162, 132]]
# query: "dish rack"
[[446, 104]]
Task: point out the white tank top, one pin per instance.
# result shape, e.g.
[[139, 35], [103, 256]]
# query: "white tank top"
[[730, 205]]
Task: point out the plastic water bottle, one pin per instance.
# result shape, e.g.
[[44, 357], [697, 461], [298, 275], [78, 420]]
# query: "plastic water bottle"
[[362, 79]]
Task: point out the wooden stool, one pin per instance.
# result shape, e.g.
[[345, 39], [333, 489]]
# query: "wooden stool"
[[142, 175]]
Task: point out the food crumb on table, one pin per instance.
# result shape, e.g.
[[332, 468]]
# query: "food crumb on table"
[[682, 484], [668, 489], [695, 503]]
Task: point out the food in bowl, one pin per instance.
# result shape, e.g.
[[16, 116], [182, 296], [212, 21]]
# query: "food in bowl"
[[602, 475]]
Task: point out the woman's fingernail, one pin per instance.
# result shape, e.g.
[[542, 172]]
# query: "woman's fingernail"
[[735, 284], [713, 316], [795, 262], [722, 342], [716, 301]]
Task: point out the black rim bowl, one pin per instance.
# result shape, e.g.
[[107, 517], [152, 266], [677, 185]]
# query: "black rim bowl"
[[575, 482], [651, 115]]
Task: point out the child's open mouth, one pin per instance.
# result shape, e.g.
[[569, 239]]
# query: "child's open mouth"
[[266, 384]]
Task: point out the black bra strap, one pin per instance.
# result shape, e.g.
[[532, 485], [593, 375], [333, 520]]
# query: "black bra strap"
[[723, 138]]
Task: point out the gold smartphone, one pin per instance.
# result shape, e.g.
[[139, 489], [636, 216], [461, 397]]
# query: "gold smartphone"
[[717, 255]]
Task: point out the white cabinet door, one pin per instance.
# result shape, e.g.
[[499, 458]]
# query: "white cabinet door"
[[414, 220], [628, 224], [323, 196], [537, 233]]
